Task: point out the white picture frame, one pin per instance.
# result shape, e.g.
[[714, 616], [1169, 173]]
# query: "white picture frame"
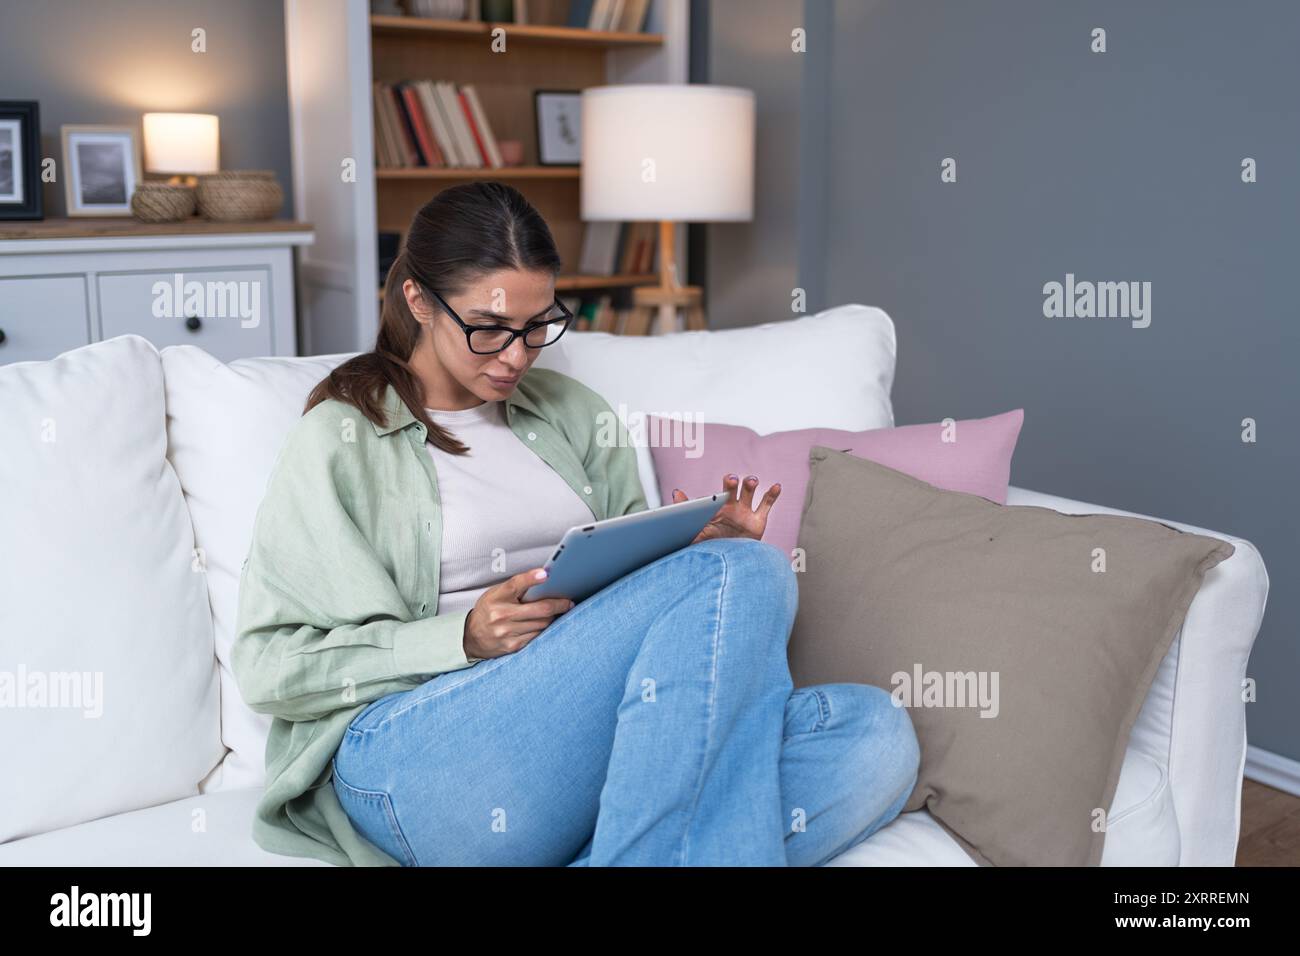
[[101, 168], [559, 127]]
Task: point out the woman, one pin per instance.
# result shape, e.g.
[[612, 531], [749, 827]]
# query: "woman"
[[424, 714]]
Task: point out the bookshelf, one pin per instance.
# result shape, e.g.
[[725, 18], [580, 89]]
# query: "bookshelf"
[[338, 50]]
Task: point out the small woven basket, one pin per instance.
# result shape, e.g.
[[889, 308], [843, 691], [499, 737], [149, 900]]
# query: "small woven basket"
[[239, 195], [162, 202]]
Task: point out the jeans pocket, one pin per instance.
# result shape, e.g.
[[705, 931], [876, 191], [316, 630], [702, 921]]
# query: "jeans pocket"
[[371, 813], [806, 712]]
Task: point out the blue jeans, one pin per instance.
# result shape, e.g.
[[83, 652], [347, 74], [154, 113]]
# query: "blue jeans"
[[653, 724]]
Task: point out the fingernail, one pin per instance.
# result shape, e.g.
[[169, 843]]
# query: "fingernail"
[[540, 575], [731, 476]]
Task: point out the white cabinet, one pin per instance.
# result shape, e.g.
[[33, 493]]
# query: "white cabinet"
[[229, 292], [41, 316], [226, 312]]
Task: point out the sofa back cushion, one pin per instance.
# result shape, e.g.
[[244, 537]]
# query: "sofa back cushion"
[[834, 369], [108, 691], [225, 426], [226, 423]]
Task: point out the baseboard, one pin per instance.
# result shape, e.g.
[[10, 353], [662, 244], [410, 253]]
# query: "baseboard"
[[1273, 770]]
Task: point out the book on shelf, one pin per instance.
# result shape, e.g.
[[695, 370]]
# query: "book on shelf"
[[432, 123]]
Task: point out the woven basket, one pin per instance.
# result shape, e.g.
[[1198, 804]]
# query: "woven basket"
[[239, 195], [162, 202]]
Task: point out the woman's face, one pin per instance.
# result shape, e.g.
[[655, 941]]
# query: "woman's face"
[[464, 378]]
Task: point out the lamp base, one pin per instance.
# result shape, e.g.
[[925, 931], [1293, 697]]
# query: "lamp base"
[[666, 297], [651, 301]]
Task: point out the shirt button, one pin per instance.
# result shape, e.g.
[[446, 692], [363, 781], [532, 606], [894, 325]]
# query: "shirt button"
[[586, 490], [532, 436]]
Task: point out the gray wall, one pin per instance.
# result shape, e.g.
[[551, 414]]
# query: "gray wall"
[[1116, 166], [109, 61], [751, 266]]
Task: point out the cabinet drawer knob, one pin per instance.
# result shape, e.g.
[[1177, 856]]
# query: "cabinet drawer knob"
[[193, 323]]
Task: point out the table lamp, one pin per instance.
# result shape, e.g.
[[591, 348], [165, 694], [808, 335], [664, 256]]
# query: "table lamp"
[[668, 153], [182, 144]]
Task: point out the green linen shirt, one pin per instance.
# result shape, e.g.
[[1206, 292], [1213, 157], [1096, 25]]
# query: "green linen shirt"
[[338, 595]]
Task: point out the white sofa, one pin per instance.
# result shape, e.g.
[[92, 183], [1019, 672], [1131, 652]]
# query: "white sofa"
[[131, 478]]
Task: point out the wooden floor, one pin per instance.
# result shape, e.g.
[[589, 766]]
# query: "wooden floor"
[[1270, 827]]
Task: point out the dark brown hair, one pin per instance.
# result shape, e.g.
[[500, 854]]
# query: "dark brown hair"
[[461, 234]]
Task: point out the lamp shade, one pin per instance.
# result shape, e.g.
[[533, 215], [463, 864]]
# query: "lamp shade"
[[181, 143], [668, 152]]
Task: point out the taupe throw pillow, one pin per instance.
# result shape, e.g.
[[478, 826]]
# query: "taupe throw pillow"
[[1054, 625]]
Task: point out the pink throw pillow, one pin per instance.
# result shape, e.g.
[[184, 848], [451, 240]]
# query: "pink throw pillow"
[[972, 455]]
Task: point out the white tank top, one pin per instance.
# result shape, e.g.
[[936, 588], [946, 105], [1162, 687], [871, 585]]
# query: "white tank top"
[[503, 509]]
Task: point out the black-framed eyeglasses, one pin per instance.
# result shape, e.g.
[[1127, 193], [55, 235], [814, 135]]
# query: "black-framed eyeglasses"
[[487, 339]]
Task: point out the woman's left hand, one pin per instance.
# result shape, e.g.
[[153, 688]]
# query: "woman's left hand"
[[737, 518]]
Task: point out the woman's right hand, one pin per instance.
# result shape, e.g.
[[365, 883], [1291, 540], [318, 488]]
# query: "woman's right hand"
[[501, 622]]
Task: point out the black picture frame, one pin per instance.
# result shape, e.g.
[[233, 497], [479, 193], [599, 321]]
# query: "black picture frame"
[[546, 151], [20, 170]]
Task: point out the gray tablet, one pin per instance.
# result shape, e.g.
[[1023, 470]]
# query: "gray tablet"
[[591, 556]]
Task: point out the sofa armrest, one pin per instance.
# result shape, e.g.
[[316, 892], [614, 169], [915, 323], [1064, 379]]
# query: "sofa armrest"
[[1194, 719]]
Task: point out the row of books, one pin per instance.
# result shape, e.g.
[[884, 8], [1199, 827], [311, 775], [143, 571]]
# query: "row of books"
[[623, 16], [610, 248], [607, 313], [432, 123], [592, 314], [603, 312]]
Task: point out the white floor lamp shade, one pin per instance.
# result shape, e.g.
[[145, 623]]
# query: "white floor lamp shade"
[[667, 152]]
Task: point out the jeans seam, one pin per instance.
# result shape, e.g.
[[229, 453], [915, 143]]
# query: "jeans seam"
[[397, 830], [390, 816], [824, 708], [823, 714], [437, 693], [684, 842]]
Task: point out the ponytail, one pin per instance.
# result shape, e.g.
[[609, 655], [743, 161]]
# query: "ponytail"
[[363, 379]]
